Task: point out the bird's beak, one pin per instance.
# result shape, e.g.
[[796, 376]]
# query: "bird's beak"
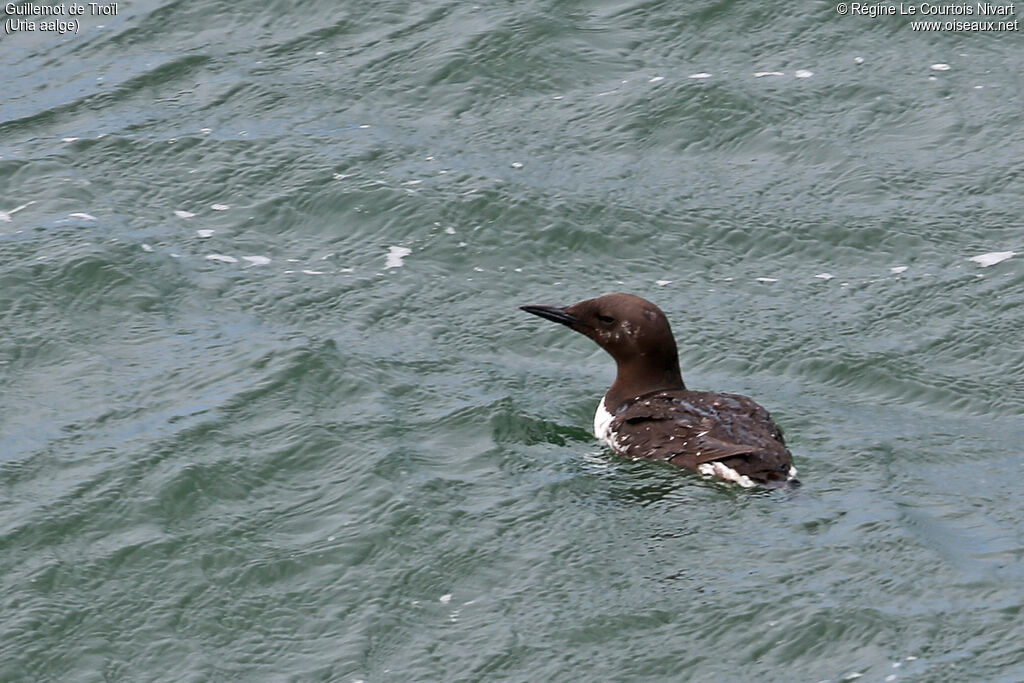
[[553, 313]]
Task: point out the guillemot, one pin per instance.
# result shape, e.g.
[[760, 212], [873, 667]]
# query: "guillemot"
[[648, 413]]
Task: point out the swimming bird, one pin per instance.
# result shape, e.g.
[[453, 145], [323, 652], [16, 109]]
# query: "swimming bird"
[[648, 413]]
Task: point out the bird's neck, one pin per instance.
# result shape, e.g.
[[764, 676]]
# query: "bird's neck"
[[640, 376]]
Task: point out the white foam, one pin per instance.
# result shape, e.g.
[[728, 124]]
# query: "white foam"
[[824, 276], [220, 207], [146, 247], [5, 216], [446, 598], [858, 60], [762, 74], [992, 258], [83, 216], [68, 139], [257, 260], [206, 131], [395, 257], [656, 79], [517, 164], [313, 272], [449, 230], [700, 76], [767, 279], [803, 73], [183, 214], [896, 270], [941, 67], [222, 258], [662, 283], [204, 233]]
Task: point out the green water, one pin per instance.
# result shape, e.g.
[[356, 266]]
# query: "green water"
[[337, 451]]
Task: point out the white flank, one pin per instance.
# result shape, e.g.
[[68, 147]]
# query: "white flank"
[[602, 424], [717, 469]]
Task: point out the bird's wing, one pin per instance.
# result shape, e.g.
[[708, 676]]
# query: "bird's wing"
[[692, 428]]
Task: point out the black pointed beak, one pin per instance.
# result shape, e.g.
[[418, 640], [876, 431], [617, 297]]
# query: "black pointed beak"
[[553, 313]]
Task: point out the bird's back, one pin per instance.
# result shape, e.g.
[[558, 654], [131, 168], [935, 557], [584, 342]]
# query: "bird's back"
[[725, 435]]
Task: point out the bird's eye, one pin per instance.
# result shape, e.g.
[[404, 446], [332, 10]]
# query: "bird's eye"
[[606, 319]]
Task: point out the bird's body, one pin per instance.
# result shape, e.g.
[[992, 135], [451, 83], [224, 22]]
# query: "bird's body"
[[649, 413]]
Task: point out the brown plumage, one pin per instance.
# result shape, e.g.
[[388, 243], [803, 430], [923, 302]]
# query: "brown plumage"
[[649, 413]]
